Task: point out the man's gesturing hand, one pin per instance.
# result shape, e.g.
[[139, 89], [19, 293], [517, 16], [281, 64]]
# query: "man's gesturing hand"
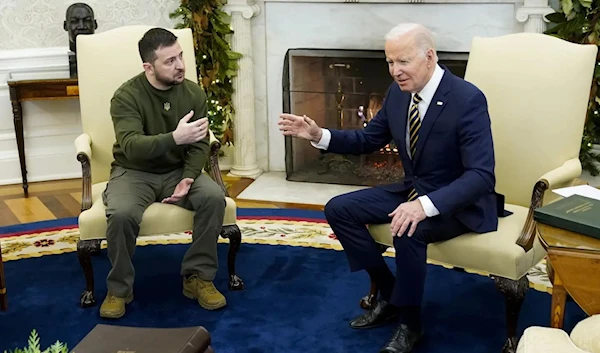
[[299, 126], [407, 216], [180, 191], [193, 132]]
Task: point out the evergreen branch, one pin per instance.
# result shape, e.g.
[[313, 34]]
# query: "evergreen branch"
[[577, 21], [33, 346], [216, 63]]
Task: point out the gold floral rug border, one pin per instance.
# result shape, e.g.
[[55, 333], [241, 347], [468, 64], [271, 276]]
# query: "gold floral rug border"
[[254, 231]]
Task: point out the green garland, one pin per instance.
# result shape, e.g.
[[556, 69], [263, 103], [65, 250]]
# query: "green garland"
[[577, 21], [216, 63]]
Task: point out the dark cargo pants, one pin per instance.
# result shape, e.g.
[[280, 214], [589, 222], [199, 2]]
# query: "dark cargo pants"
[[128, 194]]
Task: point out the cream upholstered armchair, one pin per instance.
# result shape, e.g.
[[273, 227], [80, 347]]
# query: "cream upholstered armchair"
[[537, 104], [585, 338], [105, 61]]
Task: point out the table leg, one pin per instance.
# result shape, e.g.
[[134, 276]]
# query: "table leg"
[[559, 299], [3, 299], [550, 271], [18, 121]]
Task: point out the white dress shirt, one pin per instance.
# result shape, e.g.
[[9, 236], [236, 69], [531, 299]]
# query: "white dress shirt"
[[426, 96]]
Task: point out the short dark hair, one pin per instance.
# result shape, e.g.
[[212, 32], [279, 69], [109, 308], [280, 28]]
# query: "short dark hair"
[[78, 4], [153, 40]]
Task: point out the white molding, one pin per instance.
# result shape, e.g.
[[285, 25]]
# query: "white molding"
[[50, 153], [224, 166], [533, 14], [46, 177], [57, 130], [33, 53], [33, 63], [40, 152], [43, 164], [247, 10]]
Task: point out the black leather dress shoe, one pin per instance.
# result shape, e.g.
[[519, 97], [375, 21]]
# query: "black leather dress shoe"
[[402, 341], [380, 314]]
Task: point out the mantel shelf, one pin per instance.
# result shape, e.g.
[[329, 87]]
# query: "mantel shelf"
[[416, 2]]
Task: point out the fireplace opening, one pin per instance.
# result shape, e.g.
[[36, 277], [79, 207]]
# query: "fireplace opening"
[[342, 89]]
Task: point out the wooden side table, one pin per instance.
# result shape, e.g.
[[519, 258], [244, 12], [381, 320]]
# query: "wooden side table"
[[3, 298], [30, 90], [573, 268]]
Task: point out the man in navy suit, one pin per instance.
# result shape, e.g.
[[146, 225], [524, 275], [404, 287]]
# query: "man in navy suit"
[[441, 126]]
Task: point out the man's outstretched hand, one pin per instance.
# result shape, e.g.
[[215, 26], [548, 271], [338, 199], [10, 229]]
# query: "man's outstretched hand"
[[407, 216], [180, 191], [299, 126], [190, 132]]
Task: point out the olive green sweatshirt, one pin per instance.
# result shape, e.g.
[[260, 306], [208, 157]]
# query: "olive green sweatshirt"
[[144, 119]]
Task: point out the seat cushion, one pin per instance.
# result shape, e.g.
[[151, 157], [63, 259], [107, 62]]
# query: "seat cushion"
[[494, 253], [159, 218]]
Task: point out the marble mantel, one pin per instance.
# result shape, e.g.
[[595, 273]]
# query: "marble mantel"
[[279, 25], [396, 2]]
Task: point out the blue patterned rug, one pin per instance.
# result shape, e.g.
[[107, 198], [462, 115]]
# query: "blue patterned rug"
[[297, 298]]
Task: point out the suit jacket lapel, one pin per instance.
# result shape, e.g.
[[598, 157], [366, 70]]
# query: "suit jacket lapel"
[[436, 106], [403, 124]]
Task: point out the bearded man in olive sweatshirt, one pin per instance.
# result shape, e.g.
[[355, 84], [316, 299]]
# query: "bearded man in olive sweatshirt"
[[162, 145]]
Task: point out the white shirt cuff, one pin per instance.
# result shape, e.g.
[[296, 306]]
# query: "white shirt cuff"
[[428, 206], [324, 141]]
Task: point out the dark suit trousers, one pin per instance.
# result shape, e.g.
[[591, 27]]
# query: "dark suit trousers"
[[348, 216]]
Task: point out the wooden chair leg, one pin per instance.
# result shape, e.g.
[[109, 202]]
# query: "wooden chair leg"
[[234, 234], [85, 248], [367, 301], [514, 291], [3, 295]]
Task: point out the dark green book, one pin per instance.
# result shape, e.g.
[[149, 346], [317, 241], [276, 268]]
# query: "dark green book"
[[575, 213]]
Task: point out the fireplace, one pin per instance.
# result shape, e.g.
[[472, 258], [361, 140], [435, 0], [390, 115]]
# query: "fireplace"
[[342, 89]]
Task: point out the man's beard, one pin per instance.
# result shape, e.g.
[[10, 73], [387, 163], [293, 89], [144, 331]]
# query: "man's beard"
[[166, 81]]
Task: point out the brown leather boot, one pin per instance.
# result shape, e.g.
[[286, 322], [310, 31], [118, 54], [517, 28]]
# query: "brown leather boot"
[[204, 291], [113, 307]]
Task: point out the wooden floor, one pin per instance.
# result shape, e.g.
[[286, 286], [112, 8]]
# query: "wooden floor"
[[62, 199]]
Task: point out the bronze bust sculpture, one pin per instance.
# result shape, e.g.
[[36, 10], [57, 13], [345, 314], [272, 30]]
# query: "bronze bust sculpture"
[[79, 20]]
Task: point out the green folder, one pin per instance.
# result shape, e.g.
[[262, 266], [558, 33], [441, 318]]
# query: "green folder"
[[575, 213]]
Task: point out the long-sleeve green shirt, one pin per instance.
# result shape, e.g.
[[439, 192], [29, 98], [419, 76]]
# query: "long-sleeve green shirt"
[[144, 119]]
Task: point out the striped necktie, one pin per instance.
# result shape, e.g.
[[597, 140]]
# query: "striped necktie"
[[414, 126]]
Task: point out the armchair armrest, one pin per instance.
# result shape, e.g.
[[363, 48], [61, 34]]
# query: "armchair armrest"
[[538, 339], [569, 170], [586, 334], [83, 146], [213, 162]]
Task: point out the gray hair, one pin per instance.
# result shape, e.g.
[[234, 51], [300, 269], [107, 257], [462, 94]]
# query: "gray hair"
[[422, 36]]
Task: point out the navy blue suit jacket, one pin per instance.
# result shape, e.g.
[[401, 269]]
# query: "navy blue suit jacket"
[[454, 163]]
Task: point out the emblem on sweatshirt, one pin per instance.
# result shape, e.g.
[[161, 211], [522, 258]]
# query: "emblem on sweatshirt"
[[167, 106]]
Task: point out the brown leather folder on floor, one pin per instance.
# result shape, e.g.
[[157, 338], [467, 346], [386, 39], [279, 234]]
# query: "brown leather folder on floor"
[[123, 339]]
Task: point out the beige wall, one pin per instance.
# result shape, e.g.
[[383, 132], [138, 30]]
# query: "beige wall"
[[33, 44], [39, 23]]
